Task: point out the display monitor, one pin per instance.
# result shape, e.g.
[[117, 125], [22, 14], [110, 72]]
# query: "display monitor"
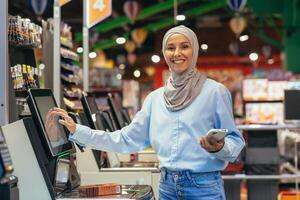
[[90, 109], [116, 111], [108, 120], [291, 106], [40, 102], [92, 104], [125, 116], [106, 112]]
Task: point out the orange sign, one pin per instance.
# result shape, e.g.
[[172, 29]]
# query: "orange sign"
[[63, 2], [97, 10]]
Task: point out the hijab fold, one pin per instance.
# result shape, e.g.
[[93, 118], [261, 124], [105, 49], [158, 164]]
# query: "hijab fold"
[[181, 89]]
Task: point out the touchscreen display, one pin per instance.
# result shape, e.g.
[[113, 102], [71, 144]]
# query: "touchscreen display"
[[54, 130]]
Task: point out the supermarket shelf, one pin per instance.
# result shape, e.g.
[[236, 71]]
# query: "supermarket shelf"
[[263, 101], [268, 127], [262, 177]]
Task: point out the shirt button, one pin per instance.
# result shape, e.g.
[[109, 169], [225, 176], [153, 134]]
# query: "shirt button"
[[176, 177], [179, 193], [177, 186]]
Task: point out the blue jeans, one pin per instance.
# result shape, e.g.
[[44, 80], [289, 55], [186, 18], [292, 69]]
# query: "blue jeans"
[[185, 185]]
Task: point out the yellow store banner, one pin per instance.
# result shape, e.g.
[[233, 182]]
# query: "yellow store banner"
[[97, 10], [63, 2]]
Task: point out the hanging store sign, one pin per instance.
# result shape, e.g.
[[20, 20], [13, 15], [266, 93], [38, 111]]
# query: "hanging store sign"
[[97, 11], [63, 2]]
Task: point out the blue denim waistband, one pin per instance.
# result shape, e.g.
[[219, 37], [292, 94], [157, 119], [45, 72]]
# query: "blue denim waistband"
[[185, 173]]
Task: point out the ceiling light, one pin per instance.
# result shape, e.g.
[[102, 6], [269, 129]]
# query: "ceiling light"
[[136, 73], [120, 40], [92, 55], [121, 66], [119, 76], [253, 56], [155, 58], [244, 38], [270, 61], [180, 17], [79, 50], [204, 47], [41, 66]]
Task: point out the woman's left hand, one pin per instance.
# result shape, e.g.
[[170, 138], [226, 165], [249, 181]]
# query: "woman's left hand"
[[211, 145]]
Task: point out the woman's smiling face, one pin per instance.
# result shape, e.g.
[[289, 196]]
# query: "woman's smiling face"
[[178, 53]]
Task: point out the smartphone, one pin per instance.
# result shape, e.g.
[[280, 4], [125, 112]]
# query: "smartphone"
[[217, 134]]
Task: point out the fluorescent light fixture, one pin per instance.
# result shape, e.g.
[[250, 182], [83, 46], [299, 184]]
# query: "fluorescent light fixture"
[[155, 58], [120, 40], [244, 38], [137, 73], [180, 17], [253, 56], [92, 55]]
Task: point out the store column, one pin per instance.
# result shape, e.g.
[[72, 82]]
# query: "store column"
[[4, 95]]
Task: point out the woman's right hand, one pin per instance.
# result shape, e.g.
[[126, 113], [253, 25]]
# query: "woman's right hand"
[[66, 120]]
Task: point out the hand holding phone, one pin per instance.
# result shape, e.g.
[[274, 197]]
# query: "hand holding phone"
[[217, 134]]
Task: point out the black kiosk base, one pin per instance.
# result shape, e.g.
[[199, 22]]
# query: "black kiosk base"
[[9, 188]]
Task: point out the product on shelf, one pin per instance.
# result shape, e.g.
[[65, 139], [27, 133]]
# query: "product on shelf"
[[23, 76], [263, 90], [22, 32], [70, 78], [72, 92], [264, 113], [66, 53]]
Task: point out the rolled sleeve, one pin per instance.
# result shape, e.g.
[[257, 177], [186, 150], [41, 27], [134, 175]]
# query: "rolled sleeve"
[[234, 141], [81, 135]]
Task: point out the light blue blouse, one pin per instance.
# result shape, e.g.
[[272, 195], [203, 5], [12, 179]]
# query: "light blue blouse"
[[175, 136]]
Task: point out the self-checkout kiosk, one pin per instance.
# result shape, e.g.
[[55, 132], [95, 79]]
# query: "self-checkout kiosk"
[[86, 163], [44, 157]]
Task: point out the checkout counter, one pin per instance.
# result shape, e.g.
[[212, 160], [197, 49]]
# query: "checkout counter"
[[44, 158]]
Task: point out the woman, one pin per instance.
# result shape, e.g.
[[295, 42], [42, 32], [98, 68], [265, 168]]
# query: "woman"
[[174, 119]]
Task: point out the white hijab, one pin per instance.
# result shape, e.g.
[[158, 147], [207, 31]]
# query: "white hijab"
[[181, 89]]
